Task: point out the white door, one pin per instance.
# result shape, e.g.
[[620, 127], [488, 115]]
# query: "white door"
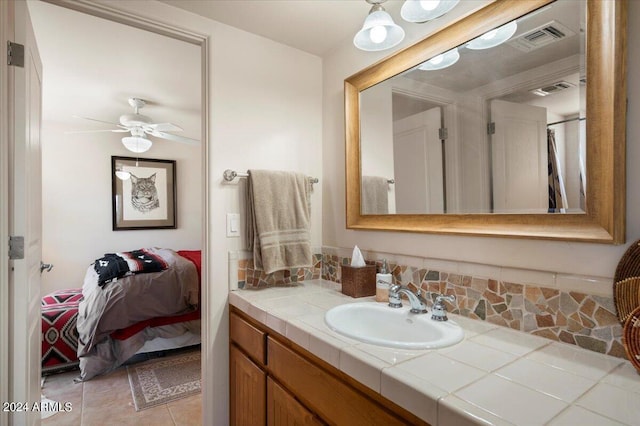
[[519, 158], [23, 339], [417, 161]]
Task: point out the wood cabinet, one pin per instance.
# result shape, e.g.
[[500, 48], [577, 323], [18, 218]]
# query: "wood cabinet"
[[277, 383], [247, 390]]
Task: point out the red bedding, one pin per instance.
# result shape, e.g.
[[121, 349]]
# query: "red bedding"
[[194, 256]]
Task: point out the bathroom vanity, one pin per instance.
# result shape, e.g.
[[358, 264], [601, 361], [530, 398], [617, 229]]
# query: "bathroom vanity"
[[276, 382], [288, 367]]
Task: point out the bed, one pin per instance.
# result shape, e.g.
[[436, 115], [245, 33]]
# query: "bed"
[[102, 325]]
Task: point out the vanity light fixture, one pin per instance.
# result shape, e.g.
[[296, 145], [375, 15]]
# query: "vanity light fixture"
[[494, 37], [425, 10], [441, 61], [137, 144], [379, 32]]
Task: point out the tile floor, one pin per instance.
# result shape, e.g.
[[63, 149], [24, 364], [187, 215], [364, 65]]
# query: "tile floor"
[[107, 400]]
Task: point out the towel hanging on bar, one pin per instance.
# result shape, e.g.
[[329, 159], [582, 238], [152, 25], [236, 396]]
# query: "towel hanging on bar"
[[375, 198], [279, 220]]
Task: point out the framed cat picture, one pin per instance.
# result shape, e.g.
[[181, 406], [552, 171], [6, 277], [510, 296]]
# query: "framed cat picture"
[[143, 193]]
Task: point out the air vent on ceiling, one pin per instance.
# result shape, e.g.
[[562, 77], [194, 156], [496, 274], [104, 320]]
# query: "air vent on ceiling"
[[542, 36], [552, 88]]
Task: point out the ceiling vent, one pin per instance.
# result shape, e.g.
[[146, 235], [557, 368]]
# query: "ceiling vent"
[[544, 35], [552, 88]]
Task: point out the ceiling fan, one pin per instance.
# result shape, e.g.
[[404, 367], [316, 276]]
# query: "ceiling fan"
[[140, 126]]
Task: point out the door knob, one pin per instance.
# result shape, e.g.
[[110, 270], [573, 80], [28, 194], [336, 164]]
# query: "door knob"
[[45, 267]]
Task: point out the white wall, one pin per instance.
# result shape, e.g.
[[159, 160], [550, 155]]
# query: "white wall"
[[76, 201], [567, 257], [266, 114], [265, 111]]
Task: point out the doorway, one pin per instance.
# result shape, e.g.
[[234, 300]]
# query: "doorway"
[[200, 128]]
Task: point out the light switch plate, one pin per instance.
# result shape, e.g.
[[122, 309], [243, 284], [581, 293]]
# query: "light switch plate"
[[233, 225]]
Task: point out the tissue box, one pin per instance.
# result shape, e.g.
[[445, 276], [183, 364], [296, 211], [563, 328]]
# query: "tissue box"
[[358, 282]]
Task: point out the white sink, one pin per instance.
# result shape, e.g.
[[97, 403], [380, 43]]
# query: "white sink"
[[378, 324]]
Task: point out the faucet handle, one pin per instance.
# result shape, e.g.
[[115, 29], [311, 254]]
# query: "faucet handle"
[[441, 297], [439, 310], [394, 296]]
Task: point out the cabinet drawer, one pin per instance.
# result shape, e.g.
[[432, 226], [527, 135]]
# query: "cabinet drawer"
[[249, 338], [323, 393]]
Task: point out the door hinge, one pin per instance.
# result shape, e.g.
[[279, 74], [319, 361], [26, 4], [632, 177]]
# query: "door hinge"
[[15, 54], [443, 133], [491, 128], [16, 247]]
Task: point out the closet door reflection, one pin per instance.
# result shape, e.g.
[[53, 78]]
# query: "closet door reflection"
[[418, 163], [519, 158]]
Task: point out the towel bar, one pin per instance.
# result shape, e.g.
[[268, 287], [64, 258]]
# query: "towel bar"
[[230, 175]]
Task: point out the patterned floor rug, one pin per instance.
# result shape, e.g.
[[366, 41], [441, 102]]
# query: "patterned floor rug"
[[162, 380]]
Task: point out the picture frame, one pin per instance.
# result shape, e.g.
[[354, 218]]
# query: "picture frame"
[[143, 193]]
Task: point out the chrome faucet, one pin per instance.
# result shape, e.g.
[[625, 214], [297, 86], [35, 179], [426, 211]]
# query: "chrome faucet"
[[418, 303], [439, 310]]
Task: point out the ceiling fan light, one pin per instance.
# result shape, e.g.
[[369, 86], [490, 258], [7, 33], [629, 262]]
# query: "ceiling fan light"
[[379, 32], [425, 10], [441, 61], [494, 37], [136, 144]]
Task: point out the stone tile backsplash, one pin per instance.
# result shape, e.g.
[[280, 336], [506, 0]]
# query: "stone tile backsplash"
[[579, 318], [250, 277], [582, 319]]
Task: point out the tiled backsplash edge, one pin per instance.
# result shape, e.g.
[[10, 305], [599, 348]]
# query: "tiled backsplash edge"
[[250, 277], [572, 309]]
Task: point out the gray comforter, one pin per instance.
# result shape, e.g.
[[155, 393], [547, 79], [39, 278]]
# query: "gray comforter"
[[127, 301]]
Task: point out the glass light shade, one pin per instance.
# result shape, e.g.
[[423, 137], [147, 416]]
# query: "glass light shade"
[[441, 61], [136, 144], [122, 175], [425, 10], [494, 37], [379, 32]]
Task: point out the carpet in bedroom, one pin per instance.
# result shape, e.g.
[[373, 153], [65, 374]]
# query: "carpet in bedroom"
[[161, 380]]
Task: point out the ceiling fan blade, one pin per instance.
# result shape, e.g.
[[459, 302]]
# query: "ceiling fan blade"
[[96, 131], [163, 127], [100, 121], [175, 138]]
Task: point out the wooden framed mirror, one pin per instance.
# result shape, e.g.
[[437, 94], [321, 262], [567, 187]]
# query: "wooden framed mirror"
[[596, 69]]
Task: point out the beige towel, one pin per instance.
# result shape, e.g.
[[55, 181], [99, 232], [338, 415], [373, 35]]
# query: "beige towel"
[[278, 220], [375, 199]]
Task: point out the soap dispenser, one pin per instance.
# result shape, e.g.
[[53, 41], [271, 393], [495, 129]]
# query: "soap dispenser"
[[383, 282]]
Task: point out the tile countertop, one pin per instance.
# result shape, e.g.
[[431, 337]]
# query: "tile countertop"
[[494, 376]]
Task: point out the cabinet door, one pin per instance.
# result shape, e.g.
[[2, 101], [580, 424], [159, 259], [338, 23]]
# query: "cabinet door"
[[247, 388], [284, 410]]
